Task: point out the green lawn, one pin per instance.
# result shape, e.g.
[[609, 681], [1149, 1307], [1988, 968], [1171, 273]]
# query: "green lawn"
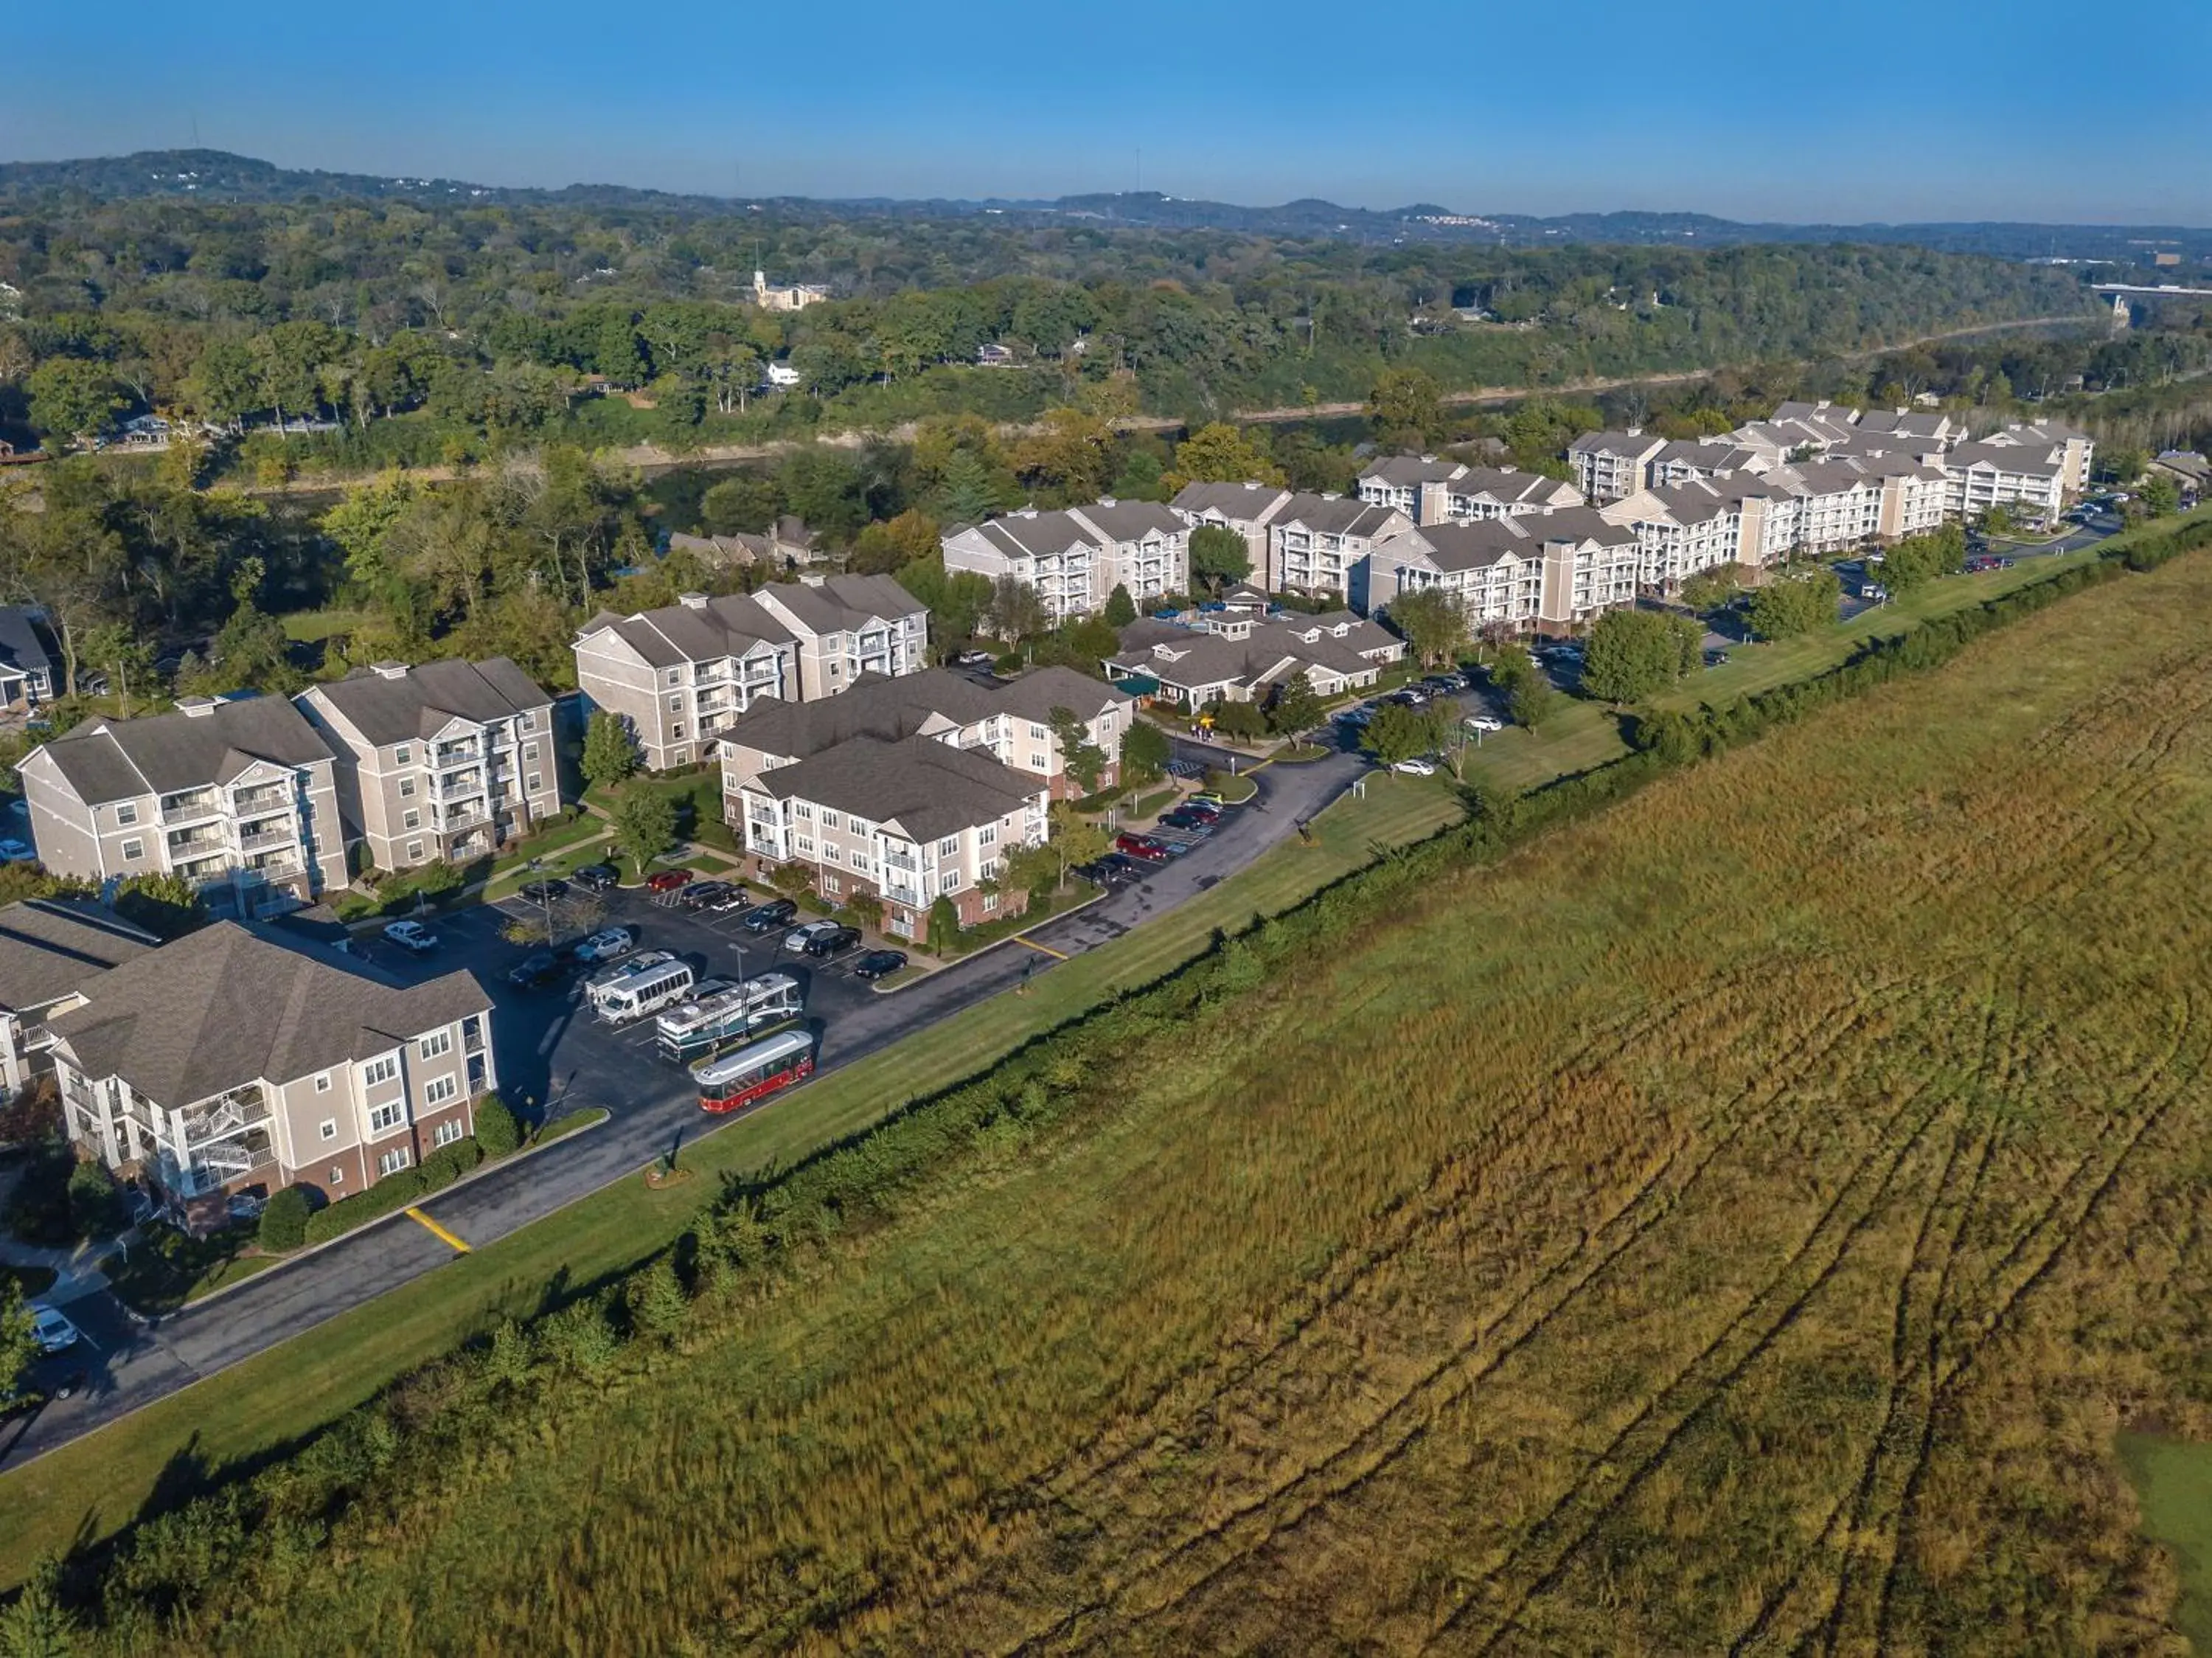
[[314, 626], [2172, 1480], [1583, 735], [99, 1482]]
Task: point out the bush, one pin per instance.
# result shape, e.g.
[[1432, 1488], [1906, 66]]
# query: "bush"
[[284, 1221], [96, 1208], [498, 1132], [391, 1192], [449, 1162], [39, 1210]]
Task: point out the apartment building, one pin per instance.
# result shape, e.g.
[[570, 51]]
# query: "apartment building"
[[1076, 558], [238, 795], [1317, 541], [225, 1062], [445, 759], [1010, 722], [679, 675], [1235, 657], [1687, 460], [1490, 567], [50, 947], [1682, 529], [911, 821], [844, 627], [1432, 491], [1248, 509], [1611, 465]]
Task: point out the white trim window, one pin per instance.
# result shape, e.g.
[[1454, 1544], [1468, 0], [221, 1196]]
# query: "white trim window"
[[394, 1161], [382, 1068], [440, 1090], [133, 850], [448, 1131], [382, 1119], [329, 1128], [435, 1043]]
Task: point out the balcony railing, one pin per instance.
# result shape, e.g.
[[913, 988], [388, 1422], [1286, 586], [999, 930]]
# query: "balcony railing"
[[260, 800], [263, 839], [190, 805], [239, 1111]]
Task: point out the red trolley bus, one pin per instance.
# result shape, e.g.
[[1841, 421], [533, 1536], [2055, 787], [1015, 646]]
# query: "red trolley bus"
[[752, 1073]]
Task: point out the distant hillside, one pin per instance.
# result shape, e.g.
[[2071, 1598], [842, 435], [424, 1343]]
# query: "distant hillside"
[[216, 176]]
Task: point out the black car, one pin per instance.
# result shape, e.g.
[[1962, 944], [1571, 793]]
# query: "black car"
[[541, 892], [596, 877], [832, 942], [767, 918], [539, 969], [1191, 823], [703, 894], [1125, 868], [878, 963]]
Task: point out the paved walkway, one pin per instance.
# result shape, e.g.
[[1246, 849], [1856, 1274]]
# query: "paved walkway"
[[76, 1267]]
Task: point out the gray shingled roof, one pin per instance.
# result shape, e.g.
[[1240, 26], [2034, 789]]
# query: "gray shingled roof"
[[108, 759], [1131, 521], [1621, 443], [840, 604], [223, 1007], [1578, 524], [1246, 503], [729, 626], [21, 647], [1405, 471], [420, 703], [2029, 459], [1479, 543], [892, 709], [925, 787], [51, 946], [1346, 514], [1037, 535]]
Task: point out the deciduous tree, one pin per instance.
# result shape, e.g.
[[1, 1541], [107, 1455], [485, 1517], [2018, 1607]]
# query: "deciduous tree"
[[1218, 556], [1432, 623], [610, 751]]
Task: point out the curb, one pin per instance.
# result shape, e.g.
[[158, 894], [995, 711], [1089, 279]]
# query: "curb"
[[980, 951]]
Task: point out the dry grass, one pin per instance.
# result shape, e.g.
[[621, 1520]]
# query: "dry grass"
[[1739, 1223]]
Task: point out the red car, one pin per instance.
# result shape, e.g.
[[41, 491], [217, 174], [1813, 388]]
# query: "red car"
[[1141, 846], [667, 881]]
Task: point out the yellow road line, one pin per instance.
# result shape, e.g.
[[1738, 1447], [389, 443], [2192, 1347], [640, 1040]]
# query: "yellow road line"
[[437, 1231], [1043, 949]]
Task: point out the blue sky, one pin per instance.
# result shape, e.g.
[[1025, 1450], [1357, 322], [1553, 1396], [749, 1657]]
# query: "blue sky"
[[1872, 110]]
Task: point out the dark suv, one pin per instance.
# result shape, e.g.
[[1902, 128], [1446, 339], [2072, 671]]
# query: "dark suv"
[[596, 877], [767, 918], [833, 942]]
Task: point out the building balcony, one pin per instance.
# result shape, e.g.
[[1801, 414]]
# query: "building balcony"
[[247, 802], [262, 841]]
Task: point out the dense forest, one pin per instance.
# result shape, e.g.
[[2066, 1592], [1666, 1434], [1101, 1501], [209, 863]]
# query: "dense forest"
[[416, 333]]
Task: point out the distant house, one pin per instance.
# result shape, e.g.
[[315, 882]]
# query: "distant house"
[[786, 542], [995, 356], [1076, 558], [27, 670], [779, 375]]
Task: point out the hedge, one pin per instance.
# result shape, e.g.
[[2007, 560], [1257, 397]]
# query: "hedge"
[[433, 1173]]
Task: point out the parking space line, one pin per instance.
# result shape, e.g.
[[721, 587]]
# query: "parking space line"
[[1044, 949], [437, 1231]]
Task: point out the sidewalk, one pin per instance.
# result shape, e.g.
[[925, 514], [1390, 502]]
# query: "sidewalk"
[[76, 1267]]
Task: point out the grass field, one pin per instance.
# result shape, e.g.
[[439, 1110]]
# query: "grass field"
[[1741, 1222], [99, 1482], [2174, 1480]]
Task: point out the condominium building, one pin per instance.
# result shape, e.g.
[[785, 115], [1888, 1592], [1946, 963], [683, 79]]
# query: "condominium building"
[[50, 947], [1550, 572], [1610, 465], [679, 675], [1315, 542], [911, 821], [1681, 529], [1248, 509], [238, 795], [226, 1061], [1011, 722], [1075, 558], [1432, 491], [2035, 468], [442, 760]]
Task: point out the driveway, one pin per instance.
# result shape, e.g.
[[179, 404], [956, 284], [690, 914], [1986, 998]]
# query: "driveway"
[[553, 1053]]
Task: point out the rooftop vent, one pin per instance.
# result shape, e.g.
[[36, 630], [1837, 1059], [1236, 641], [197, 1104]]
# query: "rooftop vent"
[[692, 600], [197, 707], [388, 670]]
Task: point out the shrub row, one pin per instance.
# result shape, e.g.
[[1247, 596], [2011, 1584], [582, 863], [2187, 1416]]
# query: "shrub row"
[[219, 1553], [433, 1173]]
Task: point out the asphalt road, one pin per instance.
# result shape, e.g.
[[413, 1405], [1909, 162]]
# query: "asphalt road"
[[551, 1050]]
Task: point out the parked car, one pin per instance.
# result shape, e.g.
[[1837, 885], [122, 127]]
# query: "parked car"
[[607, 944], [1873, 591], [16, 851], [1420, 766], [714, 986], [801, 937], [1483, 722], [53, 1332], [701, 894], [880, 964], [537, 970], [596, 877], [1716, 658], [543, 892], [1209, 798], [667, 880], [411, 935], [1125, 868], [1141, 846], [733, 897], [1190, 823], [976, 659], [767, 918], [832, 942], [1098, 874]]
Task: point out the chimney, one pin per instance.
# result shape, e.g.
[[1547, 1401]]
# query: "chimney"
[[197, 708], [692, 600], [1635, 431], [811, 578], [388, 670], [1107, 501]]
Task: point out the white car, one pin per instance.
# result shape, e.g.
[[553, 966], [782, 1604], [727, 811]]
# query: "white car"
[[798, 938], [411, 935], [54, 1332], [16, 851], [1419, 766], [607, 945], [1483, 722]]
